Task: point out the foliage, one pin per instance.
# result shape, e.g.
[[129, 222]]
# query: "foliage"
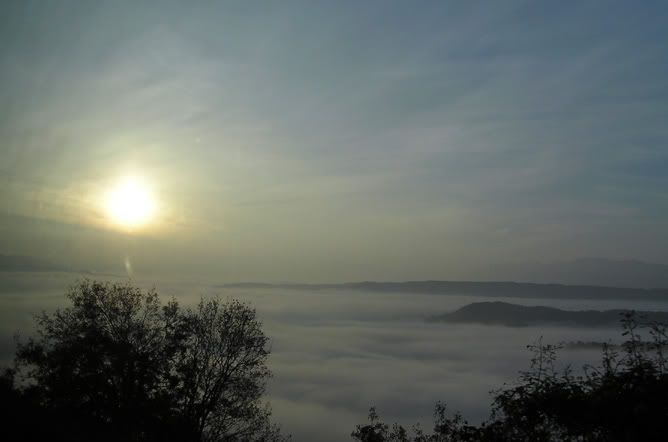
[[118, 365], [622, 399]]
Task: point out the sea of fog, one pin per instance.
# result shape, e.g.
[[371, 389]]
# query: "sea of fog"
[[337, 352]]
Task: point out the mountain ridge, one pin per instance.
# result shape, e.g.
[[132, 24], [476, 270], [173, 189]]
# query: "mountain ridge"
[[504, 313], [480, 288]]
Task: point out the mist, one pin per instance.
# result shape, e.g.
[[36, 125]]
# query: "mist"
[[335, 353]]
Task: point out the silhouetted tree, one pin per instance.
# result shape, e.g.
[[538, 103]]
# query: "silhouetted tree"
[[453, 429], [117, 365], [625, 399], [220, 372]]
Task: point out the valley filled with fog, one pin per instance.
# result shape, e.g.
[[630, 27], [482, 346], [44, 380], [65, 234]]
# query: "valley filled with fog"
[[336, 352]]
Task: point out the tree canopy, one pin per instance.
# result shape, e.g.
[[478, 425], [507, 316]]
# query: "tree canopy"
[[117, 364]]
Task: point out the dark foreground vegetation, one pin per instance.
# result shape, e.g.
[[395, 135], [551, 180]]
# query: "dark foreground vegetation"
[[625, 398], [117, 365]]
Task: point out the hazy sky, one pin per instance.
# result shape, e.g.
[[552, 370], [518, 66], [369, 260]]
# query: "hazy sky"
[[326, 141]]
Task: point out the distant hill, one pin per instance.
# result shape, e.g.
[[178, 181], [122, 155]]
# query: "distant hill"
[[503, 313], [596, 271], [16, 263], [490, 289]]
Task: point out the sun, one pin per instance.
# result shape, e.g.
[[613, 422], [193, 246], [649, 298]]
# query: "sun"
[[130, 204]]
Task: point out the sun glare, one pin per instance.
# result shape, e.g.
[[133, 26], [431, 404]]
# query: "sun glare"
[[130, 204]]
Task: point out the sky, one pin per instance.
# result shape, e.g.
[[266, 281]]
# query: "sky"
[[334, 141]]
